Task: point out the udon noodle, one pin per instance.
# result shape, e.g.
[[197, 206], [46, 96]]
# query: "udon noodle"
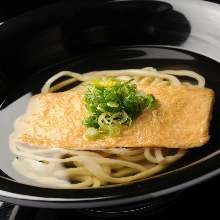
[[75, 169]]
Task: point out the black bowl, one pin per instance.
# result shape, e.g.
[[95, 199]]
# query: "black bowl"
[[98, 36]]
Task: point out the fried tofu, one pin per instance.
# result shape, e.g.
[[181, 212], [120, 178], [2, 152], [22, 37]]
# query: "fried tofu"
[[180, 120]]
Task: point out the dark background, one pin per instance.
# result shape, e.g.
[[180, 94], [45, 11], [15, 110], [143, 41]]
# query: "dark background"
[[11, 8], [199, 200]]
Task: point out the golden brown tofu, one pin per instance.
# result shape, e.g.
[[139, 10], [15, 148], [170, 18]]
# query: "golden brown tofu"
[[181, 120]]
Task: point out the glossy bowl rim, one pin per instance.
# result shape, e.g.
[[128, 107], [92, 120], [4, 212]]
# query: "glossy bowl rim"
[[35, 200]]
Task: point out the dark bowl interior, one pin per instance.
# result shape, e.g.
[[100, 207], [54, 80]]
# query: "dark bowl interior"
[[111, 35]]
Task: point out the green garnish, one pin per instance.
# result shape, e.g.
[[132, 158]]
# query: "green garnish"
[[92, 133], [112, 103], [91, 121]]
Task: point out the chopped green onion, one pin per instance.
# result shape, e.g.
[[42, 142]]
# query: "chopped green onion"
[[91, 121], [119, 117], [113, 102], [101, 108], [150, 99], [104, 119], [92, 133]]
